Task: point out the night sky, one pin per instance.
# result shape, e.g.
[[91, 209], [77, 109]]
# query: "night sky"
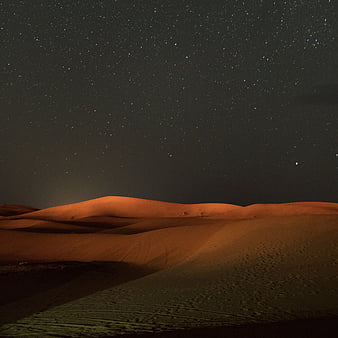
[[182, 101]]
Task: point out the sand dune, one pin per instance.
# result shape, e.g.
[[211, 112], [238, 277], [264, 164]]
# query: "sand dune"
[[14, 209], [116, 206], [167, 266]]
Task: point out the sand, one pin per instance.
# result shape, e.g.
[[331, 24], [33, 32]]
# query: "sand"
[[15, 209], [119, 265]]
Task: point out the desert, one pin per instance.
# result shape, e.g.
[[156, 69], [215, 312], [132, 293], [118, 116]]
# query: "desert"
[[168, 168], [128, 266]]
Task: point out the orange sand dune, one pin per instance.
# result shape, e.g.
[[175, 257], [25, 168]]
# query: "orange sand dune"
[[116, 206], [160, 234], [154, 249], [206, 265]]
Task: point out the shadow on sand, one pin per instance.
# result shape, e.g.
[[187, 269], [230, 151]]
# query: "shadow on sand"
[[28, 288], [300, 328]]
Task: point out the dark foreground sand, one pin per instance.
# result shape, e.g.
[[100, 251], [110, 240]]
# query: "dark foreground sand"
[[122, 266], [297, 328]]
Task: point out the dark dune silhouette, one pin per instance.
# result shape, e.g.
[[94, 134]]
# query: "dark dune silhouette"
[[15, 209]]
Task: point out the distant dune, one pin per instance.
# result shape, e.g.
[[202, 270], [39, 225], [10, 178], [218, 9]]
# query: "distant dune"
[[14, 209], [117, 265], [116, 206]]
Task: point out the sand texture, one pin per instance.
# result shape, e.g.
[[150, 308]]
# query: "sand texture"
[[119, 265]]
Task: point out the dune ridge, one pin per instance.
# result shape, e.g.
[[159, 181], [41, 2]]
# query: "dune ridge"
[[119, 206]]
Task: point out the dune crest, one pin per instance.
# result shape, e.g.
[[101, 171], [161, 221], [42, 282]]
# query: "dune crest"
[[118, 206]]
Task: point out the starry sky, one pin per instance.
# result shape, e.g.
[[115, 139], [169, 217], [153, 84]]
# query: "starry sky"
[[183, 101]]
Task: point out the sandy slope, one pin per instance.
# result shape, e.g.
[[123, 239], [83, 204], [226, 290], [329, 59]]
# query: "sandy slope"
[[205, 265]]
